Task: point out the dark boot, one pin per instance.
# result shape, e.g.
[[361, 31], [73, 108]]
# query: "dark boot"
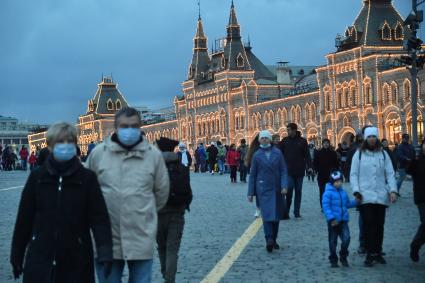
[[269, 246], [414, 253], [369, 260], [379, 259], [344, 262]]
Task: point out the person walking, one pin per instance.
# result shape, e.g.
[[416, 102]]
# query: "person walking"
[[232, 158], [325, 162], [221, 157], [335, 207], [297, 157], [373, 183], [405, 154], [171, 217], [312, 151], [60, 208], [253, 147], [32, 160], [268, 180], [342, 152], [417, 169], [390, 153], [184, 155], [23, 154], [243, 170], [212, 157], [135, 184], [202, 157]]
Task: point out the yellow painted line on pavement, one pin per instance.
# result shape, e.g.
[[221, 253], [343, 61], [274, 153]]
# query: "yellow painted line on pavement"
[[11, 188], [233, 254]]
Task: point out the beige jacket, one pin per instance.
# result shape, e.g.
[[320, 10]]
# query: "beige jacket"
[[135, 185]]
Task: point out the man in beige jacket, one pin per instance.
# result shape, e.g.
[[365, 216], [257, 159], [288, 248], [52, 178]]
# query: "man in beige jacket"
[[135, 184]]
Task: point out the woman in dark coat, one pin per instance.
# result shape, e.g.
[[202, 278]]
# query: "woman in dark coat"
[[60, 203], [417, 170], [268, 180]]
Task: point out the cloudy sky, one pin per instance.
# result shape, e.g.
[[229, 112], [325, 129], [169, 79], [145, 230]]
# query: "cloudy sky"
[[53, 53]]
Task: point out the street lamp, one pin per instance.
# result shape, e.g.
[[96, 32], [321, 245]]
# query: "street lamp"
[[412, 44]]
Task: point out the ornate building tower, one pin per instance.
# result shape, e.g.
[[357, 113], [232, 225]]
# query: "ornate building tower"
[[200, 59]]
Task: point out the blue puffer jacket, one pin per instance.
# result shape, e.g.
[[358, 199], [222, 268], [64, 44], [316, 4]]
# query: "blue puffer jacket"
[[336, 203]]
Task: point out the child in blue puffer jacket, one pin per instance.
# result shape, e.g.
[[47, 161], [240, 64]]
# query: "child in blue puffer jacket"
[[335, 207]]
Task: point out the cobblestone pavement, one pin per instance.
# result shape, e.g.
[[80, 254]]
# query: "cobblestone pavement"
[[219, 216]]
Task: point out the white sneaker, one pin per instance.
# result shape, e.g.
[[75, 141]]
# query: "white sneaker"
[[257, 213]]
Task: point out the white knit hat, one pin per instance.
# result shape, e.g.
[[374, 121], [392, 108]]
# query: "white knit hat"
[[265, 134], [371, 131]]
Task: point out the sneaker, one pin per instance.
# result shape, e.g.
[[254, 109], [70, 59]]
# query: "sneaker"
[[361, 251], [379, 259], [344, 262], [257, 213], [414, 253], [369, 261], [276, 246], [334, 264]]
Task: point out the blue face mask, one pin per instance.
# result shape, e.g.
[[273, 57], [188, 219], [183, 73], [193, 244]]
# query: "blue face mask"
[[128, 136], [265, 145], [64, 151]]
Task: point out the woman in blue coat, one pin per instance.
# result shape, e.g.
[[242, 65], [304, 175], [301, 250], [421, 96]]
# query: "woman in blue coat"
[[268, 181]]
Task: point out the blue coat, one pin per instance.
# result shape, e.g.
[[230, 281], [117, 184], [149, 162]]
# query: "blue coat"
[[267, 178], [336, 203]]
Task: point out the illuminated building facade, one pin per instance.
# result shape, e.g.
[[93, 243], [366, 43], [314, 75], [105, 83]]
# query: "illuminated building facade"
[[98, 122], [230, 94]]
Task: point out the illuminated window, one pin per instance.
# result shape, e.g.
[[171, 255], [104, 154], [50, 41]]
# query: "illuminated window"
[[110, 105], [118, 105], [398, 32], [368, 94], [240, 60], [353, 99], [407, 90], [394, 90], [386, 32], [339, 98]]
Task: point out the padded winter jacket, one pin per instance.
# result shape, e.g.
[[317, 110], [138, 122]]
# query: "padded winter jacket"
[[336, 203]]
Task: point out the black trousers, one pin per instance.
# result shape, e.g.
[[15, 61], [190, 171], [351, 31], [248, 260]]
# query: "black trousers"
[[373, 216], [322, 186], [419, 239], [233, 171]]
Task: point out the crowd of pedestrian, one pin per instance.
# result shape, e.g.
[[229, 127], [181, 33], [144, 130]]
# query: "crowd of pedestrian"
[[131, 197]]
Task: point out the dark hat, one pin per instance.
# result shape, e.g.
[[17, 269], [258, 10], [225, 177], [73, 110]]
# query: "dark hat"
[[335, 176], [166, 144]]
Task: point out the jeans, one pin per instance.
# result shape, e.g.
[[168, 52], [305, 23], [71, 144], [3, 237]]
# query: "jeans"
[[343, 232], [373, 216], [203, 165], [220, 162], [294, 182], [24, 165], [170, 231], [402, 175], [139, 271], [271, 230], [243, 171], [419, 239]]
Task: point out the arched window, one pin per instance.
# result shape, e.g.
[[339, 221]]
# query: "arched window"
[[385, 91], [110, 105], [118, 105], [386, 31], [394, 90], [368, 93], [346, 96], [353, 99], [407, 90], [339, 98], [240, 60], [398, 32]]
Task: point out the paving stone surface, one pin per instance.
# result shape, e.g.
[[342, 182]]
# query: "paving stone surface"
[[220, 214]]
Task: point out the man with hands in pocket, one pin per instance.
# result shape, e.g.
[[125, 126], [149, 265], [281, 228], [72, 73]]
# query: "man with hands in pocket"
[[268, 181]]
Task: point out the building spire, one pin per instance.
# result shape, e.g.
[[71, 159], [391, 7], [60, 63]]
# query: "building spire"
[[233, 20], [199, 10], [200, 59]]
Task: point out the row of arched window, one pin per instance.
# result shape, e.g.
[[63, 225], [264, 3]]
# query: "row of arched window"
[[388, 33], [113, 106]]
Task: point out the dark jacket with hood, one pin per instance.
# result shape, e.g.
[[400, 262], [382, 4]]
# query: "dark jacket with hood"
[[417, 170], [325, 162], [60, 204]]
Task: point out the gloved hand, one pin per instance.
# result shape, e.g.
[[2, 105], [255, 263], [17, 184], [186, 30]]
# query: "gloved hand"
[[358, 197], [334, 223], [107, 268], [17, 270]]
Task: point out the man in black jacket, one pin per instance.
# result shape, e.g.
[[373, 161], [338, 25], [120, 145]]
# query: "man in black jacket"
[[297, 157], [325, 161]]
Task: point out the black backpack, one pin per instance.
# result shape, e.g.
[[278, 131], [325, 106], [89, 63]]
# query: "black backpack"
[[180, 190]]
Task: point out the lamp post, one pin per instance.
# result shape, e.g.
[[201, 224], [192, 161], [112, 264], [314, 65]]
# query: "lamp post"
[[413, 45]]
